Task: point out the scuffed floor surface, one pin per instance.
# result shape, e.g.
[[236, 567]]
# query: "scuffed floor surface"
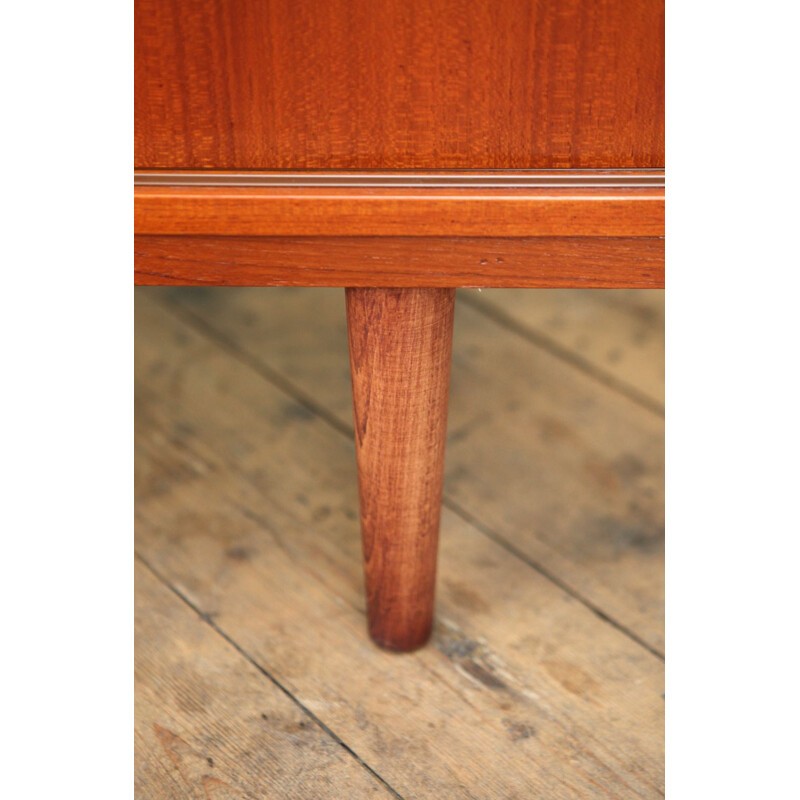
[[254, 674]]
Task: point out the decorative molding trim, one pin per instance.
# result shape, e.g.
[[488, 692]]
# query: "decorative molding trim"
[[439, 229], [465, 179]]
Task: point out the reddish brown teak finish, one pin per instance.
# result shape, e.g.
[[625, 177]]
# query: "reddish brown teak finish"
[[403, 211], [438, 262], [400, 344], [399, 85]]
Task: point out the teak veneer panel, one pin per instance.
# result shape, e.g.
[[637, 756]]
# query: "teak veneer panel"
[[194, 228], [443, 262], [320, 211], [384, 84]]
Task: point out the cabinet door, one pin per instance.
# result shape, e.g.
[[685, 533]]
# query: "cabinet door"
[[399, 84]]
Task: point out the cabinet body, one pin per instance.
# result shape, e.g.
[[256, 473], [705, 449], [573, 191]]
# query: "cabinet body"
[[400, 149]]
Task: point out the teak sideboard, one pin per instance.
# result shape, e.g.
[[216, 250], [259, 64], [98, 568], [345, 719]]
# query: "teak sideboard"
[[400, 149]]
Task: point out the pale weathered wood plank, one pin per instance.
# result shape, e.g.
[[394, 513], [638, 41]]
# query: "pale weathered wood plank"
[[617, 333], [567, 471], [247, 502], [210, 725], [564, 469]]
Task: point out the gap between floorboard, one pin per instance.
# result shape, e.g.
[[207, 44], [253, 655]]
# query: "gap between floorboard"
[[288, 388], [543, 342], [210, 622]]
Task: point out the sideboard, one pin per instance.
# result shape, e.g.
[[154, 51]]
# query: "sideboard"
[[400, 149]]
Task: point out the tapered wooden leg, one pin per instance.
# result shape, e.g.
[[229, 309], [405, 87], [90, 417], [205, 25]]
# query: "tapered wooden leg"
[[400, 346]]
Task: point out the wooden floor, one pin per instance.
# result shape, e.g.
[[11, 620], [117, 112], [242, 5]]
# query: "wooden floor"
[[254, 674]]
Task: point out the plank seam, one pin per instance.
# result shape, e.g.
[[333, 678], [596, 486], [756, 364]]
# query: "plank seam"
[[210, 622], [545, 343], [299, 396]]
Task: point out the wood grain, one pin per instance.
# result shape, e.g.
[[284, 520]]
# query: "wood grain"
[[573, 481], [208, 724], [399, 261], [565, 470], [348, 211], [381, 84], [618, 337], [246, 502], [400, 345]]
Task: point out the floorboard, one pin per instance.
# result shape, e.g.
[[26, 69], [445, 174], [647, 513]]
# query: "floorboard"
[[566, 471], [247, 510], [209, 725], [617, 336]]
